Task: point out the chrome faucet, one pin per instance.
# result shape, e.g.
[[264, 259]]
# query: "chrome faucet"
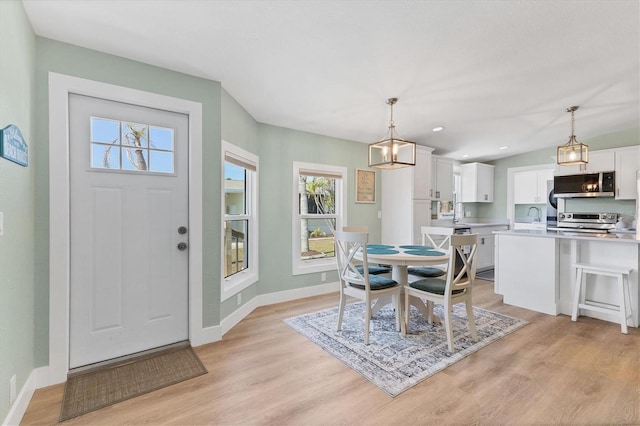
[[456, 219], [537, 216]]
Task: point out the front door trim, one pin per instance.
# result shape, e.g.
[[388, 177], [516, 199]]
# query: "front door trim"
[[59, 205]]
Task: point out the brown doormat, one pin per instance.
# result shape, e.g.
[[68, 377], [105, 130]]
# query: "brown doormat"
[[108, 385]]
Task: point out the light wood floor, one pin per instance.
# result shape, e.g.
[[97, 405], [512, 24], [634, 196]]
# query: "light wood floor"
[[552, 371]]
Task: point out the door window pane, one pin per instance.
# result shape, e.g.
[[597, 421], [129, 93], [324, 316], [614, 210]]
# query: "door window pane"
[[123, 145]]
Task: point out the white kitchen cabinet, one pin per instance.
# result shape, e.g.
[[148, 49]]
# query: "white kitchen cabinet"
[[441, 179], [627, 162], [476, 183], [599, 161], [530, 187], [525, 272], [485, 256], [406, 205]]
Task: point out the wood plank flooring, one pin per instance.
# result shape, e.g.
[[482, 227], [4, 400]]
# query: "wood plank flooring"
[[552, 371]]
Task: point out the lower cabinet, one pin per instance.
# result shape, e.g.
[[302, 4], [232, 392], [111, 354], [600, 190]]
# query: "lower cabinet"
[[486, 246]]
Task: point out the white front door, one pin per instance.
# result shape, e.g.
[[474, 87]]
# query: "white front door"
[[129, 230]]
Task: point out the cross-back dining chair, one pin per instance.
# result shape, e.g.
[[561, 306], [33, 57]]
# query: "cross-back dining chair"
[[361, 284], [456, 287], [373, 269], [430, 236]]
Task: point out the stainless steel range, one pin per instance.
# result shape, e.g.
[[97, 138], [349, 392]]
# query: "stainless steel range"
[[598, 223]]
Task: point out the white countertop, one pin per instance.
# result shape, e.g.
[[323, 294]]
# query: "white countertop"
[[467, 224], [612, 237]]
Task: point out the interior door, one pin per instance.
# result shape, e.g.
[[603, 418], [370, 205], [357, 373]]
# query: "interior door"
[[129, 230]]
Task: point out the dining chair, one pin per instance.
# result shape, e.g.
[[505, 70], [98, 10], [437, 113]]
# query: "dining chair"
[[455, 288], [430, 236], [361, 285], [373, 269]]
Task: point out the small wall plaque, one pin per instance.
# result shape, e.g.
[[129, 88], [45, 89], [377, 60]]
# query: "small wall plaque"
[[12, 145], [365, 186]]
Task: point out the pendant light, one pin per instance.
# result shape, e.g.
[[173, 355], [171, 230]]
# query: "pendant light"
[[573, 152], [392, 152]]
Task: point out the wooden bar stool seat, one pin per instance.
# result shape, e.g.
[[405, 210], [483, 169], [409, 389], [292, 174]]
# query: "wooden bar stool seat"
[[579, 294]]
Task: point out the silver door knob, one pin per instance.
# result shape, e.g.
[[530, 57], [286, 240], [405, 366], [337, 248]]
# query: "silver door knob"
[[182, 246]]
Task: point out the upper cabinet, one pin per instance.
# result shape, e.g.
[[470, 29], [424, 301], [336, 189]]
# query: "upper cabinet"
[[599, 161], [476, 183], [441, 179], [530, 187], [627, 162]]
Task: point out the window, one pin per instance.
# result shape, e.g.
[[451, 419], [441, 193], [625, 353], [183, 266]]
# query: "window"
[[319, 208], [240, 220], [122, 145]]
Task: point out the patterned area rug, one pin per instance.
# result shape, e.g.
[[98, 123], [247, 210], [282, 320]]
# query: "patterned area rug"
[[394, 362]]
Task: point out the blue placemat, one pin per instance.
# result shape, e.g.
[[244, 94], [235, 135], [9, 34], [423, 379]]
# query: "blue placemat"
[[378, 246], [425, 252], [417, 247], [381, 251]]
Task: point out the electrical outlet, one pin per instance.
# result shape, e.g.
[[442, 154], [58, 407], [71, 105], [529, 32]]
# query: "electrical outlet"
[[239, 298], [323, 276], [12, 390]]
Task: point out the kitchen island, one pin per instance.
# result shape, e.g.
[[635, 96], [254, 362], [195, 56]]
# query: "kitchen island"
[[533, 269]]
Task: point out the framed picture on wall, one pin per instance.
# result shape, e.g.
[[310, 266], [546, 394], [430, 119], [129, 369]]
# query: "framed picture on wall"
[[365, 186]]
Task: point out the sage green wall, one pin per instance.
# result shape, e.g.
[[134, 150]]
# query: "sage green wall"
[[278, 149], [240, 129], [498, 209], [76, 61], [17, 284]]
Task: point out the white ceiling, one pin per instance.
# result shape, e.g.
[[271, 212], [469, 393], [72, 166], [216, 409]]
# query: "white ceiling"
[[494, 73]]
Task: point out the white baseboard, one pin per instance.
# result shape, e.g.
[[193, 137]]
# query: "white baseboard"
[[19, 407], [297, 293], [215, 333]]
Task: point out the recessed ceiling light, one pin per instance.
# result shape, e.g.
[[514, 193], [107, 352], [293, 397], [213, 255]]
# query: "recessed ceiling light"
[[503, 147], [438, 129], [465, 156]]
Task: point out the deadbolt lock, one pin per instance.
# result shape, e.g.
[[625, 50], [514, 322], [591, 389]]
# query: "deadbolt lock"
[[182, 246], [182, 230]]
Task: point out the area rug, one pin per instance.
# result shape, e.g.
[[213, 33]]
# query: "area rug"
[[105, 386], [394, 362]]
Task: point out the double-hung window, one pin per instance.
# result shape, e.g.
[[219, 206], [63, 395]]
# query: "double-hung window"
[[240, 219], [319, 208]]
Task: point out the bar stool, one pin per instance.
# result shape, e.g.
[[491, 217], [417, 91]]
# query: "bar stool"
[[579, 298]]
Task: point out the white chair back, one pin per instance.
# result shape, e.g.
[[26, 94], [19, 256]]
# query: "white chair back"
[[461, 272], [430, 232], [348, 244]]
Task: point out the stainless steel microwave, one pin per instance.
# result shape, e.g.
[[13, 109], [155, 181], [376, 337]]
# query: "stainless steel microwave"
[[597, 184]]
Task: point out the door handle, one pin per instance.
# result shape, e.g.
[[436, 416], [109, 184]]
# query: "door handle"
[[182, 246]]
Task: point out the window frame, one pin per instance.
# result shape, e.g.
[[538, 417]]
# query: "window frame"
[[237, 282], [308, 266]]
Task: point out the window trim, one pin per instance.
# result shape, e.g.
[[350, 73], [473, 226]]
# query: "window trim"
[[237, 282], [299, 266]]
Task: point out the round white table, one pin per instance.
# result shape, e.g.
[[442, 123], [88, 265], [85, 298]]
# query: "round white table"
[[400, 257]]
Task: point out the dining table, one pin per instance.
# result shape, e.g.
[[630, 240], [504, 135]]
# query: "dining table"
[[400, 257]]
